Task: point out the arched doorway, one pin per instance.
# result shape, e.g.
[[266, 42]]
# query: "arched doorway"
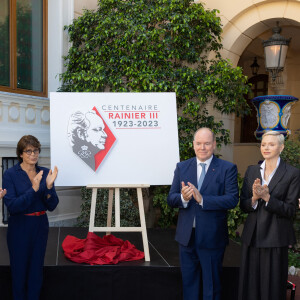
[[245, 25]]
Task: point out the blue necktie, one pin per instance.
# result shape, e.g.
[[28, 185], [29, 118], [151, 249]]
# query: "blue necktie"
[[201, 179]]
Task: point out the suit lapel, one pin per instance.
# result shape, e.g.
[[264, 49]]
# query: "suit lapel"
[[213, 168], [257, 174], [253, 174], [277, 176], [193, 173]]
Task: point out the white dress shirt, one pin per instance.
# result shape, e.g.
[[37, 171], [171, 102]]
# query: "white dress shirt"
[[199, 170], [264, 181], [262, 172]]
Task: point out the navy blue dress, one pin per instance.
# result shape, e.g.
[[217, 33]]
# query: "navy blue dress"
[[27, 235]]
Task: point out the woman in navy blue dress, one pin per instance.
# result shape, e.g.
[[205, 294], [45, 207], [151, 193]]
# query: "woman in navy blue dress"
[[30, 193]]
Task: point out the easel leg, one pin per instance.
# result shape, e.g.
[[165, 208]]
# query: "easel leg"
[[143, 224], [93, 210], [109, 209], [117, 207]]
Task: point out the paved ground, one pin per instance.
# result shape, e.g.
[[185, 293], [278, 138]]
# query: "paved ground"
[[295, 280]]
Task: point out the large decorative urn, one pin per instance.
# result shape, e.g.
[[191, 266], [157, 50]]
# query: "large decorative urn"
[[273, 113]]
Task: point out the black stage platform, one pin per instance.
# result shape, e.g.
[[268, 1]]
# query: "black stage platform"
[[139, 280]]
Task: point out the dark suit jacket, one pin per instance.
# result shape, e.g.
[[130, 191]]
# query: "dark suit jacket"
[[220, 193], [273, 223]]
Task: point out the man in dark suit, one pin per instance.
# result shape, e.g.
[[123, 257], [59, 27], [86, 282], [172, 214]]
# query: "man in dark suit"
[[204, 188]]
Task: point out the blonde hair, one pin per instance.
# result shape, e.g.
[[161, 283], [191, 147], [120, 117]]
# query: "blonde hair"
[[279, 136]]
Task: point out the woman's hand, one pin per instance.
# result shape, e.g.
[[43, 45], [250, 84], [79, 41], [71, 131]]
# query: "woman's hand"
[[2, 193], [256, 190], [265, 193], [51, 178], [259, 191], [37, 180]]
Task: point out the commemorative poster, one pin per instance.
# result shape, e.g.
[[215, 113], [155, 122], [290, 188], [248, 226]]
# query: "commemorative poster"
[[114, 138]]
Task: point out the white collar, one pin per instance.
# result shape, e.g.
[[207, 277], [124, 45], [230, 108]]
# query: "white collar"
[[207, 162], [262, 172], [263, 165]]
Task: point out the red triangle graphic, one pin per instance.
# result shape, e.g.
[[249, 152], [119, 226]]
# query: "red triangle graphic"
[[110, 140]]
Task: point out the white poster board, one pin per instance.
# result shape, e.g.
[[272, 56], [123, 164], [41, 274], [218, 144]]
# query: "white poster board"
[[114, 138]]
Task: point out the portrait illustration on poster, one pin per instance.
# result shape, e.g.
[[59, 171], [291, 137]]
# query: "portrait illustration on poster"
[[90, 137]]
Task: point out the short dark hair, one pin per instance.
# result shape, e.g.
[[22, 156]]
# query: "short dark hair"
[[24, 142]]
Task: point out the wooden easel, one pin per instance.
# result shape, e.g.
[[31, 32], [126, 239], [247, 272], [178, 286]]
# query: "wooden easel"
[[116, 188]]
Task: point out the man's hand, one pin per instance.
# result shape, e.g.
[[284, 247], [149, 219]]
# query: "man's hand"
[[186, 192], [51, 178], [196, 193], [2, 193]]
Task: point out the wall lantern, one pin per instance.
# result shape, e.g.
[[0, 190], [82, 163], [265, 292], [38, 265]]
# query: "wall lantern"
[[255, 67], [275, 52]]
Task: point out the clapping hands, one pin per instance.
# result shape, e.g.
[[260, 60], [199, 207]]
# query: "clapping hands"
[[259, 191], [37, 180], [196, 194], [51, 178], [188, 191]]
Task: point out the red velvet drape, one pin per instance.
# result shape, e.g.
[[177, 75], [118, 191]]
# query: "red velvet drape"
[[95, 250]]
